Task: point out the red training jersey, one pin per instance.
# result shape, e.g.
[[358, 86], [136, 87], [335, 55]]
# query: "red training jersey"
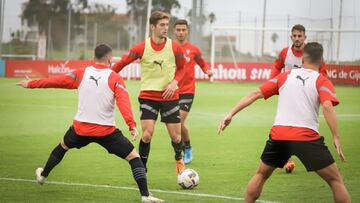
[[326, 92], [73, 80], [137, 52], [192, 57], [280, 62]]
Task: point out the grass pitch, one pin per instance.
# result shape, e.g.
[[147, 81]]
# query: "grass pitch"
[[32, 122]]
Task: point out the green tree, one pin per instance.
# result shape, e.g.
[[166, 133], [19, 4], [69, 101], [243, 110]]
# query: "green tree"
[[212, 18], [109, 25], [274, 38], [41, 12], [138, 9]]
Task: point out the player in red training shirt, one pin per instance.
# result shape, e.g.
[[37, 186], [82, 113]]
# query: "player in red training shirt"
[[296, 127], [291, 58], [187, 84], [162, 67], [98, 90]]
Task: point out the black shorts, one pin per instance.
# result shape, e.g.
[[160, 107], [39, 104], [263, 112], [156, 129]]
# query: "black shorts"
[[169, 110], [313, 154], [115, 143], [185, 101]]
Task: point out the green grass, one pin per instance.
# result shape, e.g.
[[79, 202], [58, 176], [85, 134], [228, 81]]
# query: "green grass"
[[32, 122]]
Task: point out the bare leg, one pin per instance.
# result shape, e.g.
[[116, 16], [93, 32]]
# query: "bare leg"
[[174, 130], [133, 154], [256, 183], [332, 176], [147, 127], [184, 131]]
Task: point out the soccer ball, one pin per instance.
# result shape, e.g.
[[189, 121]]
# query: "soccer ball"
[[188, 179], [289, 166]]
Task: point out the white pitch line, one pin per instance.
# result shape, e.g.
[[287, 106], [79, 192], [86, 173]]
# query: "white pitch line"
[[217, 115], [345, 115], [132, 188], [195, 113], [37, 106]]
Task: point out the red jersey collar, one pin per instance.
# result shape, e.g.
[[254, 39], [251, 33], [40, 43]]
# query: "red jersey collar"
[[157, 47], [153, 42], [100, 66], [186, 43]]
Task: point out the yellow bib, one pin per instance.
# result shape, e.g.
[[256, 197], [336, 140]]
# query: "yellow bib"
[[157, 67]]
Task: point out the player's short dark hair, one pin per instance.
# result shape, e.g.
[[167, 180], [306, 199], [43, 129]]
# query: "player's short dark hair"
[[314, 51], [158, 15], [101, 50], [298, 27], [181, 22]]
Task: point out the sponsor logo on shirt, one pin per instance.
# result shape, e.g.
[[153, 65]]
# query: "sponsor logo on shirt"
[[95, 79], [159, 63], [302, 79]]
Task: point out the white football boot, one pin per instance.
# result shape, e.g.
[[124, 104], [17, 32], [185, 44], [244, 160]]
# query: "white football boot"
[[151, 199], [40, 179]]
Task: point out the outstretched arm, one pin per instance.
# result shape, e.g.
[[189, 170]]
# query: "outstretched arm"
[[133, 54], [266, 90], [328, 100], [117, 84], [24, 83], [330, 117], [201, 62], [68, 81], [243, 103]]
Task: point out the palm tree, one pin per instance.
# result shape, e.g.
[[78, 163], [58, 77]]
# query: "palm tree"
[[274, 38], [212, 17]]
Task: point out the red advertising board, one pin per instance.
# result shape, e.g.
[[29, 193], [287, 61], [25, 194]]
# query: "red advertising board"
[[344, 74], [258, 72], [240, 72], [227, 71], [22, 68]]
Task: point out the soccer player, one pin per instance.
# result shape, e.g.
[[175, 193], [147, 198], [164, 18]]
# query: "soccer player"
[[98, 89], [187, 84], [291, 58], [162, 64], [296, 127]]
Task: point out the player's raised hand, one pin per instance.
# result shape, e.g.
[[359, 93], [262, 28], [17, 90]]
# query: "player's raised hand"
[[134, 133], [224, 123], [24, 83], [338, 148], [170, 90]]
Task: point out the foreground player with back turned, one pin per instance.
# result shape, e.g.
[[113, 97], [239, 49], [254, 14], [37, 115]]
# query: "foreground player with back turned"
[[296, 127], [98, 89], [187, 84], [162, 64], [291, 58]]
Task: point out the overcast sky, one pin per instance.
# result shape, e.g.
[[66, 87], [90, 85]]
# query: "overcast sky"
[[311, 13]]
